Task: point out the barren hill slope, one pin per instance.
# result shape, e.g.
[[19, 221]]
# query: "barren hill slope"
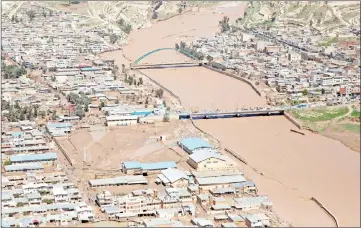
[[323, 16]]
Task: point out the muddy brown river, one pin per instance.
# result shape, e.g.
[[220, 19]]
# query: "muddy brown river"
[[295, 167]]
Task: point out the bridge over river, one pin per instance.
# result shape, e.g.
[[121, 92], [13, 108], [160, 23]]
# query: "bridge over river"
[[235, 114]]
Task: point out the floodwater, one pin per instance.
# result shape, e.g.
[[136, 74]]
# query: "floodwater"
[[203, 89], [296, 167]]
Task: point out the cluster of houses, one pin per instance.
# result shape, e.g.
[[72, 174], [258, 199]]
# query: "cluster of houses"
[[285, 61], [35, 190], [212, 193], [49, 39]]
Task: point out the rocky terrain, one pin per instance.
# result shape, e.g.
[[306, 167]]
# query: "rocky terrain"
[[323, 15]]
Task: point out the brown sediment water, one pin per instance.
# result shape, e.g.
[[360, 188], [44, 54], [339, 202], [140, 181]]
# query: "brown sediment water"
[[203, 89], [295, 167]]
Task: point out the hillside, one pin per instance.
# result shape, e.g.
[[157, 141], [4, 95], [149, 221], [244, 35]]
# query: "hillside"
[[323, 16], [125, 15]]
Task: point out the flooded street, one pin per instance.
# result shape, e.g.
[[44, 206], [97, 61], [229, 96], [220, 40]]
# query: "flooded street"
[[296, 167]]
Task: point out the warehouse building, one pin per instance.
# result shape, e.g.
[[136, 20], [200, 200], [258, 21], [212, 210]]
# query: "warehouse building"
[[173, 177], [23, 167], [217, 179], [118, 181], [135, 167], [29, 158], [204, 161], [252, 203], [190, 145]]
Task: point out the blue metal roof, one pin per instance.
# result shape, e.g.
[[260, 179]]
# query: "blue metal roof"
[[194, 143], [17, 134], [90, 69], [158, 165], [132, 165], [22, 167], [33, 157]]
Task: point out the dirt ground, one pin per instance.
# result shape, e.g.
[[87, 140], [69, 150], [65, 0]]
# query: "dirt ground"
[[138, 142]]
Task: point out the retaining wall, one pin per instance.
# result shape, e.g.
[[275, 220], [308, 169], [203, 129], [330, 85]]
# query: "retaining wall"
[[60, 147], [295, 122], [326, 210]]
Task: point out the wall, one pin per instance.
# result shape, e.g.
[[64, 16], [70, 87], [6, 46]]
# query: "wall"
[[115, 123], [294, 121]]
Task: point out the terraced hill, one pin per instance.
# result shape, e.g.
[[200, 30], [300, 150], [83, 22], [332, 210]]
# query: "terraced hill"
[[323, 16]]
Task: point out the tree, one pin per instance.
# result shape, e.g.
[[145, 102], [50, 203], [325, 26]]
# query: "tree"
[[19, 204], [31, 14], [210, 59], [140, 81], [166, 117], [47, 201], [224, 24], [164, 103], [7, 162], [44, 14], [182, 45], [159, 93], [13, 18], [116, 101], [53, 115], [42, 114], [17, 106], [79, 111], [128, 28], [180, 10], [102, 105], [123, 68], [323, 91], [113, 38], [304, 92], [176, 46], [106, 113], [155, 15]]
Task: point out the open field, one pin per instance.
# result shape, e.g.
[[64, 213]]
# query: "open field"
[[295, 168], [336, 123], [320, 114], [137, 142]]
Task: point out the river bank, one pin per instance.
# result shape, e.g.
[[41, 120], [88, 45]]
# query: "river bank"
[[297, 167]]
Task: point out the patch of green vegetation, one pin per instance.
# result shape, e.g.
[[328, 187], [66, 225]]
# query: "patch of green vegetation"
[[319, 114], [328, 42], [355, 112], [354, 128]]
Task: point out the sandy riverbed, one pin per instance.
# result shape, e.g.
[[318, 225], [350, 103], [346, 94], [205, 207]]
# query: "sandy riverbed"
[[296, 167]]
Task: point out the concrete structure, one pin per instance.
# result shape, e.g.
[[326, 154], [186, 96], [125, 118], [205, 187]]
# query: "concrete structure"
[[134, 167], [216, 179], [23, 167], [174, 178], [190, 145], [28, 158], [114, 120], [203, 161], [118, 181]]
